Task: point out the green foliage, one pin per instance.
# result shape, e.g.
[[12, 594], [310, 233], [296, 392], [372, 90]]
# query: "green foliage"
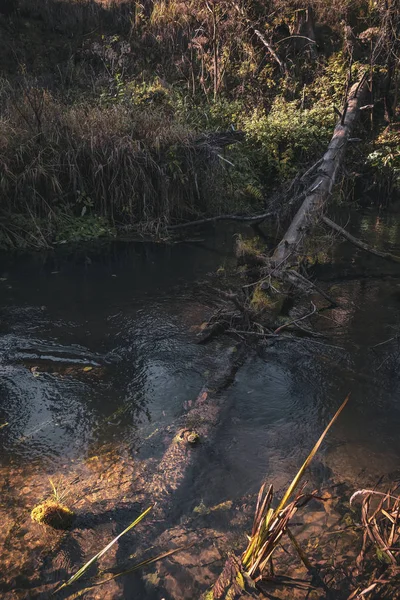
[[386, 157], [224, 113], [116, 140], [384, 162], [330, 86], [85, 228], [288, 136]]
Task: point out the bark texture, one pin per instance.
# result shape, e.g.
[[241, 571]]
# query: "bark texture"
[[319, 192]]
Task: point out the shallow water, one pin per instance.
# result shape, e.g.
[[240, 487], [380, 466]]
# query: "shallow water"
[[122, 313], [98, 352]]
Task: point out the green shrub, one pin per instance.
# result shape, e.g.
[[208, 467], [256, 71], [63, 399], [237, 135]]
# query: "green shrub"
[[384, 163], [288, 137], [81, 229]]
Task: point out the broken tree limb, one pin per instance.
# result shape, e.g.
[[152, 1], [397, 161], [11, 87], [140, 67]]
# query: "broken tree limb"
[[295, 321], [268, 46], [356, 242], [247, 219], [260, 36], [311, 208], [293, 275]]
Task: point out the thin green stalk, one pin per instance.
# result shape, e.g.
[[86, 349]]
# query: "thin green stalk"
[[87, 565], [258, 540]]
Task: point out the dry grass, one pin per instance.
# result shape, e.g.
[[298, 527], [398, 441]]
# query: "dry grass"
[[130, 166], [380, 518]]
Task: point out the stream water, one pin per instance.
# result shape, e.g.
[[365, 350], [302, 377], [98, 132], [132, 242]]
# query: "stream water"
[[98, 357]]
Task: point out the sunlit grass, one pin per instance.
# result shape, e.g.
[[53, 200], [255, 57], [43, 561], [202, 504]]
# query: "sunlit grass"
[[97, 556], [270, 524]]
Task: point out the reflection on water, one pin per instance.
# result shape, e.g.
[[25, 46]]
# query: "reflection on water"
[[95, 350], [98, 350]]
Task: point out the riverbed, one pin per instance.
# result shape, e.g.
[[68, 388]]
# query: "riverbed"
[[99, 360]]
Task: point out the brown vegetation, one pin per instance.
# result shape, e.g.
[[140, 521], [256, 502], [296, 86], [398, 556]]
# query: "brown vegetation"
[[104, 106]]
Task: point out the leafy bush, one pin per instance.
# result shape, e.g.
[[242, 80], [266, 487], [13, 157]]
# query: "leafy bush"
[[80, 229], [288, 137], [384, 162]]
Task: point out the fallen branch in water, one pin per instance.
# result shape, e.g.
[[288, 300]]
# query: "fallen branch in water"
[[360, 244], [255, 219], [295, 321], [180, 454]]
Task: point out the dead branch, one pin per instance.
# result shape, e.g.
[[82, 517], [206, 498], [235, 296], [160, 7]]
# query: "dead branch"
[[269, 48], [356, 242], [295, 321], [260, 36], [255, 219], [307, 282], [311, 170]]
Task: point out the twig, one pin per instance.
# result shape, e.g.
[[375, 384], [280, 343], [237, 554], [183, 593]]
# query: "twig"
[[331, 301], [385, 342], [311, 169], [295, 321]]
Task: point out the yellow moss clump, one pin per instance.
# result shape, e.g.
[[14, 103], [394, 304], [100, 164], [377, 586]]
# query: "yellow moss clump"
[[260, 300], [250, 251], [54, 514]]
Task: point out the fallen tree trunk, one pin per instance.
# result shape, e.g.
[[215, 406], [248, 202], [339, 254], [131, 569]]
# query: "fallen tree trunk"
[[319, 194]]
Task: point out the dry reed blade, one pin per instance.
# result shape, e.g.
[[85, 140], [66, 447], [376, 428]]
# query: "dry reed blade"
[[308, 460], [95, 558], [263, 540]]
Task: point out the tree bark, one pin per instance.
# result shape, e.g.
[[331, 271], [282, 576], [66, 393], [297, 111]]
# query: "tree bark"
[[314, 203]]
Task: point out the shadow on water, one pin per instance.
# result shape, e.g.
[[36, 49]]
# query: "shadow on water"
[[97, 354]]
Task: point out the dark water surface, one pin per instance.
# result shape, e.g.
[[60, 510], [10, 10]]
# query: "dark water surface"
[[97, 349], [125, 311]]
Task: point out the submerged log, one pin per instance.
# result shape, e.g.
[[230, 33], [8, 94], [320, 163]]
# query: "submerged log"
[[196, 428], [320, 191]]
